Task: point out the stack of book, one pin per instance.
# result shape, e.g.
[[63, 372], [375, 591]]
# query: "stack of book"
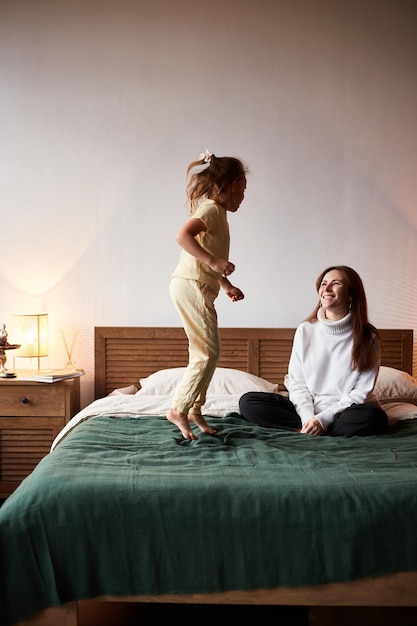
[[49, 376]]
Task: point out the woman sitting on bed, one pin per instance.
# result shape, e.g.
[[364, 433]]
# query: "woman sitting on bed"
[[332, 370]]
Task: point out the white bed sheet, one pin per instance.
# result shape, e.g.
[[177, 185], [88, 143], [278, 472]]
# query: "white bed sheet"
[[136, 405], [139, 404]]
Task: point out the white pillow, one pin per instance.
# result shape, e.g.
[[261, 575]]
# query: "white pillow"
[[225, 381], [391, 385], [398, 411], [236, 382], [132, 389], [394, 385]]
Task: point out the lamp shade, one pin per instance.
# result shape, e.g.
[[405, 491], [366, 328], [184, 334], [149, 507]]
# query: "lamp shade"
[[31, 332]]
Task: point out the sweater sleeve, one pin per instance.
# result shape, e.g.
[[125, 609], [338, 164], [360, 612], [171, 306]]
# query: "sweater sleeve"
[[359, 394], [299, 392]]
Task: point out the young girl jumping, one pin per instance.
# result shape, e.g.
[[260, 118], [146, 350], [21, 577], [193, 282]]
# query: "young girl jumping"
[[215, 185]]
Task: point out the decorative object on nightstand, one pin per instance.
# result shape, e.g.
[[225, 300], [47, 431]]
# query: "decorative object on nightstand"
[[5, 345], [31, 332], [3, 335], [69, 345]]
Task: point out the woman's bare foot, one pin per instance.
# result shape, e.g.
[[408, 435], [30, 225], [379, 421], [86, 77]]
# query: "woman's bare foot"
[[181, 420], [201, 423]]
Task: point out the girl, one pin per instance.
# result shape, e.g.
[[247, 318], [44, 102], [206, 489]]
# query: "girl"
[[215, 186], [332, 370]]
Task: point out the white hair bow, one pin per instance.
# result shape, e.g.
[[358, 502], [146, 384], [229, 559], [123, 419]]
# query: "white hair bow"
[[206, 156]]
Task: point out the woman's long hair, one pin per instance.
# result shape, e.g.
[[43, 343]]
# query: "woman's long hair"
[[214, 180], [364, 349]]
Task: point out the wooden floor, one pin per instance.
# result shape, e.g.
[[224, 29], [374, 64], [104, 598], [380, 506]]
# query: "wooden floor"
[[135, 615], [126, 614], [362, 616]]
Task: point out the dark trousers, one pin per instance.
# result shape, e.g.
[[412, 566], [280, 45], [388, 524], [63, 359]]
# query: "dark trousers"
[[274, 411]]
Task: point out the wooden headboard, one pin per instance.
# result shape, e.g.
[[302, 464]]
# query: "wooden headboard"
[[123, 354]]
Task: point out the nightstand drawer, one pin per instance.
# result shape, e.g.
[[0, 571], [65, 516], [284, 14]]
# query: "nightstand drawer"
[[34, 400]]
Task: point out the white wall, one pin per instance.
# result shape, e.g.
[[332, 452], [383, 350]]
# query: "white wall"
[[103, 103]]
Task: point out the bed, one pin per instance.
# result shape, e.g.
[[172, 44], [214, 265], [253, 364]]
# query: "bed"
[[124, 509]]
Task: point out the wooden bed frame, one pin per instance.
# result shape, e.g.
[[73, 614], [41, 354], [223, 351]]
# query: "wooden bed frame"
[[124, 354]]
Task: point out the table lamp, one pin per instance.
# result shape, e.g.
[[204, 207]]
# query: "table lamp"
[[31, 332]]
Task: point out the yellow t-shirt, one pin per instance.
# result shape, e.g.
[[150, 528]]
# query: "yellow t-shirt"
[[215, 240]]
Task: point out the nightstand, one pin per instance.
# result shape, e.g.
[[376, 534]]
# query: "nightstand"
[[31, 415]]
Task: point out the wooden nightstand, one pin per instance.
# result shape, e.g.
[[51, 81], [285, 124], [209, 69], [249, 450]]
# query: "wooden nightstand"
[[31, 415]]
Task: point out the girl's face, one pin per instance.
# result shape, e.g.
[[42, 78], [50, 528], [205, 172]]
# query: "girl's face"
[[334, 295], [236, 195]]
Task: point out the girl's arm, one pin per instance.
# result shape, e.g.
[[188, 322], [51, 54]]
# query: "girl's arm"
[[233, 292], [186, 237]]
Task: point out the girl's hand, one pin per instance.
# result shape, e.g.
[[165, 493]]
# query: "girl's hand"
[[228, 269], [312, 427], [222, 266], [234, 293]]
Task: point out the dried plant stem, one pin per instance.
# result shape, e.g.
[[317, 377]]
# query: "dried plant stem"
[[69, 349]]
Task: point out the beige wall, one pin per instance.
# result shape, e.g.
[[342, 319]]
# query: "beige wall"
[[104, 103]]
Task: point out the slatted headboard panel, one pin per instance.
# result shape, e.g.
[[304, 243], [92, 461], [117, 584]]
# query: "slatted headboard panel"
[[124, 354]]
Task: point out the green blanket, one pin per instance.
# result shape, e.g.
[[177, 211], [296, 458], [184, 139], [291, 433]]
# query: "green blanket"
[[125, 506]]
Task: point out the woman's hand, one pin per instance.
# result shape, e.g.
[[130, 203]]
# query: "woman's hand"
[[312, 427]]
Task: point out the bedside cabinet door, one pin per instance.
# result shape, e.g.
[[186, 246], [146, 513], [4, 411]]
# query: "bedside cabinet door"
[[24, 441]]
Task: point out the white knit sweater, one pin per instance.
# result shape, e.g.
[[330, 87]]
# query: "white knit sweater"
[[321, 380]]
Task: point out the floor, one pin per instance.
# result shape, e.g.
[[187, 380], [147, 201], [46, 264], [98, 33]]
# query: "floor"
[[113, 614], [135, 615], [362, 616]]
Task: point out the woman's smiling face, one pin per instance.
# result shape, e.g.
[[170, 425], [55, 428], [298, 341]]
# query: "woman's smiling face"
[[334, 295]]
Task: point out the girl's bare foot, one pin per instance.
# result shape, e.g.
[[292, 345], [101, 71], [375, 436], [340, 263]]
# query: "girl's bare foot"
[[201, 423], [181, 420]]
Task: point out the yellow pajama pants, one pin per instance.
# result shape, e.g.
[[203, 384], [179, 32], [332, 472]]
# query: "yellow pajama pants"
[[194, 302]]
